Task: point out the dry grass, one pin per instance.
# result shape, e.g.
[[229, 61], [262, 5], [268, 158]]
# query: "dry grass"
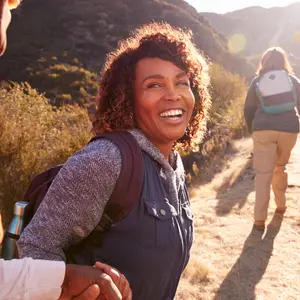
[[195, 276], [196, 272]]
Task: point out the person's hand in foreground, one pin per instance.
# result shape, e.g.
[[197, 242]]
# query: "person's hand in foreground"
[[119, 280], [85, 282]]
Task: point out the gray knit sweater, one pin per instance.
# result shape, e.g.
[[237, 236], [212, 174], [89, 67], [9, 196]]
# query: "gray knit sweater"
[[76, 199]]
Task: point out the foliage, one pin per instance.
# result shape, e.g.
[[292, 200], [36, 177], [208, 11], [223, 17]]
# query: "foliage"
[[64, 83], [34, 136], [228, 96], [226, 122]]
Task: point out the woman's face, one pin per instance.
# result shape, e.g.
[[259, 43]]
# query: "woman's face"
[[164, 101]]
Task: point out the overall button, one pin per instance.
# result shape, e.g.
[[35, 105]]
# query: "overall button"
[[162, 212]]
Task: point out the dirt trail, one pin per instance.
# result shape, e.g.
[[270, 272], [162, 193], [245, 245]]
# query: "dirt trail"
[[229, 261]]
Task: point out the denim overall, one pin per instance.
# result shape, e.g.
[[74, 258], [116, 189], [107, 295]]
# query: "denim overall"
[[151, 246]]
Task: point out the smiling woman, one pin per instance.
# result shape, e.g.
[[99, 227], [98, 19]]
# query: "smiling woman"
[[155, 85], [173, 67]]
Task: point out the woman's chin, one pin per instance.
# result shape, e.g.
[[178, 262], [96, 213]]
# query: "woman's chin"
[[174, 135]]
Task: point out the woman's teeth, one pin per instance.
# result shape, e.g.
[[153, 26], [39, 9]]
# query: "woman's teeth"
[[172, 113]]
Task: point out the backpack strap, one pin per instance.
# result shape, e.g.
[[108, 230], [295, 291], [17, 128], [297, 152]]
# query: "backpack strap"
[[293, 90], [128, 188], [126, 194], [37, 191]]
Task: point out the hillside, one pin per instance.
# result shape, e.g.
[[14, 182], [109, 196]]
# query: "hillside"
[[50, 38], [262, 28]]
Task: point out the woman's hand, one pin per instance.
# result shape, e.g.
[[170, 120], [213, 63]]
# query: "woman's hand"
[[86, 282], [91, 293], [118, 279]]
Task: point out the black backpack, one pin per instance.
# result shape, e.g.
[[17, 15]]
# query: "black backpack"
[[127, 191]]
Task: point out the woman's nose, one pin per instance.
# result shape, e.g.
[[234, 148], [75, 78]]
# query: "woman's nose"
[[172, 95]]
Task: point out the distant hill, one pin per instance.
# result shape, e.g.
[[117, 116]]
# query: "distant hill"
[[48, 38], [262, 28]]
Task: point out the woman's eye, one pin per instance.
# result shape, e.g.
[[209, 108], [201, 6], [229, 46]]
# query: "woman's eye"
[[183, 82], [153, 85]]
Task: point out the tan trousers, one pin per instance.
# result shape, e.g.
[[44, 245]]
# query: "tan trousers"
[[271, 153]]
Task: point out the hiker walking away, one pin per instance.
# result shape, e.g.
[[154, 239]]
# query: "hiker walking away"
[[272, 115], [154, 86], [39, 279]]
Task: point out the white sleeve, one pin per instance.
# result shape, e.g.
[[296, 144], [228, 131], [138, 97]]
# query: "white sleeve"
[[28, 279]]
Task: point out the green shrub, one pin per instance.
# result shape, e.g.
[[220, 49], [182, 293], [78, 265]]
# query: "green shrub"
[[57, 79], [34, 136]]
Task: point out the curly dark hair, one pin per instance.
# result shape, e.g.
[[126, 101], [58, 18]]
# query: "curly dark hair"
[[116, 93]]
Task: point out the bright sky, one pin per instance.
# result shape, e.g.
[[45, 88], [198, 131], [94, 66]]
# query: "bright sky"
[[223, 6]]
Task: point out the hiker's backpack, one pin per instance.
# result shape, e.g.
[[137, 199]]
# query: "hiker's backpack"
[[276, 92], [127, 191]]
